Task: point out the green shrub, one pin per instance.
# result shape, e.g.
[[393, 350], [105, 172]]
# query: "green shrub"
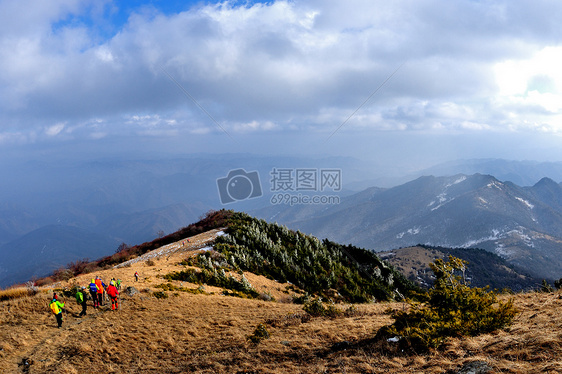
[[259, 334], [451, 309], [546, 287], [332, 310], [168, 287], [218, 278], [314, 307], [160, 295]]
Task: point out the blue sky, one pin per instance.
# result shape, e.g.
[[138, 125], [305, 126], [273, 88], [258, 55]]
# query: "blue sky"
[[444, 80]]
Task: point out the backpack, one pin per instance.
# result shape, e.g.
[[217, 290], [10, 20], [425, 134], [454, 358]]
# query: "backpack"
[[93, 287], [112, 291], [79, 297], [54, 307]]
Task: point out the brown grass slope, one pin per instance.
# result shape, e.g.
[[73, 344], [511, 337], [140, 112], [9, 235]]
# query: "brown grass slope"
[[207, 333]]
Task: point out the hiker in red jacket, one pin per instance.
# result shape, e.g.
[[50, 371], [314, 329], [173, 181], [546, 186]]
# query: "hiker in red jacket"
[[113, 294]]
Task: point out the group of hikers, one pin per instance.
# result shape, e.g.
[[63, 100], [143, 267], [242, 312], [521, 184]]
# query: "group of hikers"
[[97, 290]]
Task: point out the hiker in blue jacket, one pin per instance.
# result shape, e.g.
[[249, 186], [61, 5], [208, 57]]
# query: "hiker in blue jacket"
[[94, 292]]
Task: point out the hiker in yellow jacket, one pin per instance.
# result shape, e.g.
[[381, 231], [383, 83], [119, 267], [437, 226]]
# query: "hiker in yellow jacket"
[[57, 307]]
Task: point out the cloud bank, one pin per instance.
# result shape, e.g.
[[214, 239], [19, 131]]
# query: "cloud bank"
[[69, 70]]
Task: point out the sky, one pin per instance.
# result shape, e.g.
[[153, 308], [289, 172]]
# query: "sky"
[[413, 82]]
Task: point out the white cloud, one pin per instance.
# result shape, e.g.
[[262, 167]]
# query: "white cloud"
[[473, 66], [55, 129]]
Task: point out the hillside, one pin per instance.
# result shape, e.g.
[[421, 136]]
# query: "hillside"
[[207, 332], [521, 224], [483, 269]]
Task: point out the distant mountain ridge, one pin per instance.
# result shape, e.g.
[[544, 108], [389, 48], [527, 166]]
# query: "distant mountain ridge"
[[522, 173], [521, 224], [49, 247], [41, 251]]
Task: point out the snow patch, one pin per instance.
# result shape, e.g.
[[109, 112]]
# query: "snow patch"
[[526, 238], [495, 235], [502, 251], [414, 231], [459, 180], [528, 204], [442, 197], [442, 202], [495, 184], [502, 234]]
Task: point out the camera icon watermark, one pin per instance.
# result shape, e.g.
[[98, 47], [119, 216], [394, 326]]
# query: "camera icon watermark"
[[239, 185]]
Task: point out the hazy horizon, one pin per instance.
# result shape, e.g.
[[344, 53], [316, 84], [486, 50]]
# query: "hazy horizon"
[[400, 83]]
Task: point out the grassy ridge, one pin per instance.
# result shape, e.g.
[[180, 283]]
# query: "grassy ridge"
[[324, 268]]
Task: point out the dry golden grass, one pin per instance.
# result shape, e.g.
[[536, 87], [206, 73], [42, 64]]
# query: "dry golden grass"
[[13, 293], [208, 334], [189, 333]]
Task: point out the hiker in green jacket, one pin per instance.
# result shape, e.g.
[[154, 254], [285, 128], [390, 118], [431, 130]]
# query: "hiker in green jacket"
[[57, 307], [81, 298]]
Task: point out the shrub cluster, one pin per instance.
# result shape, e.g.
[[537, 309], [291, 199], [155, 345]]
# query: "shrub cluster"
[[160, 294], [450, 309], [212, 276], [316, 308]]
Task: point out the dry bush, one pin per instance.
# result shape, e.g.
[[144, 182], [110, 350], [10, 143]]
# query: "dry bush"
[[150, 262], [44, 281]]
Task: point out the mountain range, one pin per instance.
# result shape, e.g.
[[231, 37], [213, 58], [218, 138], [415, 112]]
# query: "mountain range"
[[41, 251], [381, 208], [521, 224]]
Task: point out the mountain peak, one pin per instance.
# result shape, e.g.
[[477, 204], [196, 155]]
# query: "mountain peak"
[[546, 182]]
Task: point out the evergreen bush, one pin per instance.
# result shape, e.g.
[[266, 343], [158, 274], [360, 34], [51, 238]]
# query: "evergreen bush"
[[450, 309], [259, 334]]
